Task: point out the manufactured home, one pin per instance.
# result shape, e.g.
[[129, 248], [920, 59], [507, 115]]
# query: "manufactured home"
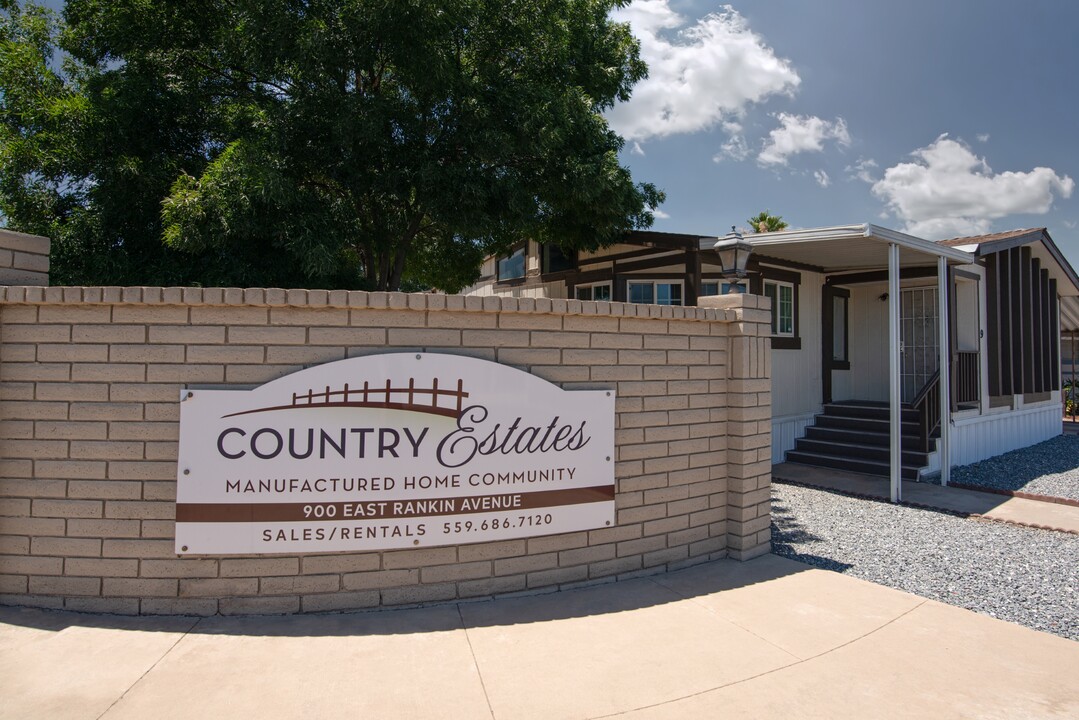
[[860, 314]]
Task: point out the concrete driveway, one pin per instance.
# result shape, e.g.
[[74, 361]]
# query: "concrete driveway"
[[766, 638]]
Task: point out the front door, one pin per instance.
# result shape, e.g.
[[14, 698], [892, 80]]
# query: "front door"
[[919, 337]]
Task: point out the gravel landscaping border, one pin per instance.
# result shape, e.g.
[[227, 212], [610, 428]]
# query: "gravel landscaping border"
[[1012, 573], [1050, 468]]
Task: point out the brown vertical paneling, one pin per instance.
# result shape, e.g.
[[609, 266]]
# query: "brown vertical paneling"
[[1025, 337], [992, 313], [1054, 333], [693, 276], [1009, 285], [1047, 338], [1036, 330]]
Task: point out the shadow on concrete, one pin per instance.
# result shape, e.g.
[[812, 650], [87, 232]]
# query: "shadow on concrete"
[[600, 599]]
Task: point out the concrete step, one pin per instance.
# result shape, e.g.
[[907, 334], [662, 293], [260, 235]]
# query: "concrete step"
[[867, 467]]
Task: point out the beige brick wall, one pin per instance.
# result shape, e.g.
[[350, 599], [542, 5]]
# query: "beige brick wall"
[[24, 259], [89, 422]]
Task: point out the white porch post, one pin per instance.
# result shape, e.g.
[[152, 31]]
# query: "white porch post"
[[945, 371], [895, 398]]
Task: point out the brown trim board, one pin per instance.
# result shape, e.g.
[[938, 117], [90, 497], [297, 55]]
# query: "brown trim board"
[[390, 509]]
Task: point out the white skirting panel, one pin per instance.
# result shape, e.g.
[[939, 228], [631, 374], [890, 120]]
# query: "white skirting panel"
[[785, 430], [982, 437]]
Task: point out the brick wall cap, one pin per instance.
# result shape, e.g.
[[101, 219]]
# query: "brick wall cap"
[[712, 309]]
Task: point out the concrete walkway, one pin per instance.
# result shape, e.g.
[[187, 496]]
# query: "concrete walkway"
[[770, 638], [1020, 511]]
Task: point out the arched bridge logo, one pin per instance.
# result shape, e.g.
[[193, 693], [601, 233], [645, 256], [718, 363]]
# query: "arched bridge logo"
[[432, 400]]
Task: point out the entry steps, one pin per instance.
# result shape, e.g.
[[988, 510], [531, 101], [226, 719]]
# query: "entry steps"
[[854, 436]]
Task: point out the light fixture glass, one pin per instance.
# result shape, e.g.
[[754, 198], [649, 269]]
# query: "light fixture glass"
[[734, 251]]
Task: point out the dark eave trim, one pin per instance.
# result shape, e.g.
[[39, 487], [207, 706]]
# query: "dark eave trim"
[[880, 276]]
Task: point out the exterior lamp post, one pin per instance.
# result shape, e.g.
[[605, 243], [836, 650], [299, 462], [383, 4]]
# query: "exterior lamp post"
[[734, 251]]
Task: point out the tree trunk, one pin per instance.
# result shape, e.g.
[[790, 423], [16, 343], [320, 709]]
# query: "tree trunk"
[[401, 254]]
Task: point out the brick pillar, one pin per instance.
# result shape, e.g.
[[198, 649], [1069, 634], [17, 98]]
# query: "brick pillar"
[[749, 423], [24, 259]]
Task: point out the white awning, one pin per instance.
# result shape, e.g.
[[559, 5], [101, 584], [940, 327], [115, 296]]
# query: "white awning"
[[846, 248]]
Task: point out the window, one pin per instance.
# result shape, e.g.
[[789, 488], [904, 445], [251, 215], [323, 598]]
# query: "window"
[[512, 266], [553, 259], [595, 291], [782, 295], [655, 292], [839, 329], [714, 287]]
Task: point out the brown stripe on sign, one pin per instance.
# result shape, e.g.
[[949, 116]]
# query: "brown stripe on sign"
[[387, 509]]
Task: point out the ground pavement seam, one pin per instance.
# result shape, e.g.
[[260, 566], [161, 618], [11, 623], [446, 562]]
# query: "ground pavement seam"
[[769, 672], [147, 671], [475, 660]]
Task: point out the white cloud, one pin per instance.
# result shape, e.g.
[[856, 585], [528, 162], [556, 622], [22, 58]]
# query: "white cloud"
[[660, 215], [735, 148], [699, 74], [949, 191], [1070, 224], [636, 149], [798, 134], [863, 170], [982, 137], [822, 178]]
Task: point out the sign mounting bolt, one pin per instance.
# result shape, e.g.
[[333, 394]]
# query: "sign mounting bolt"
[[418, 356], [184, 548], [187, 471]]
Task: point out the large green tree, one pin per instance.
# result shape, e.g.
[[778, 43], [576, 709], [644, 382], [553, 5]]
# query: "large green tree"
[[326, 143]]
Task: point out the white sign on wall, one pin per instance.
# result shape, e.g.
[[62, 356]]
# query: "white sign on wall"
[[400, 450]]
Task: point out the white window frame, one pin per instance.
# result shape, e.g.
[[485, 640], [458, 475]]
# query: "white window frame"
[[606, 284], [777, 307], [654, 284]]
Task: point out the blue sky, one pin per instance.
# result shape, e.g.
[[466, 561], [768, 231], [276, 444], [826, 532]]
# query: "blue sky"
[[941, 118]]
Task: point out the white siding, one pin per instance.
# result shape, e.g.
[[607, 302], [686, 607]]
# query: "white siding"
[[985, 436], [867, 378], [796, 374], [785, 431]]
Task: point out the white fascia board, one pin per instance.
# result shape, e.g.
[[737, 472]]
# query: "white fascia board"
[[787, 237], [852, 232], [916, 243]]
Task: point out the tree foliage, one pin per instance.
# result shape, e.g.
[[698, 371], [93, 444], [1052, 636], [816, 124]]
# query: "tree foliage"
[[763, 222], [328, 143]]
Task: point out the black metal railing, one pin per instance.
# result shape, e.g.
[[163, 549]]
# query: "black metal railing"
[[927, 403], [967, 378]]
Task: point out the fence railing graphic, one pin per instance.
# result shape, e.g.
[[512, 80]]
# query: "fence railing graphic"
[[417, 399]]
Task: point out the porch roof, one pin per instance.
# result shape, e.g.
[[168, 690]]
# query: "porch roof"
[[849, 247]]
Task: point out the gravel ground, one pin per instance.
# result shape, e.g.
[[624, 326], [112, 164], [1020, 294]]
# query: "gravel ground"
[[1021, 575], [1048, 468]]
